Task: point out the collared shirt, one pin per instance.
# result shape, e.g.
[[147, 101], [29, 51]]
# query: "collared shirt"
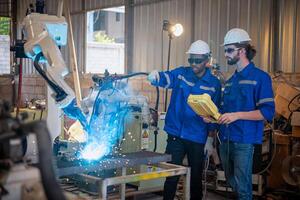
[[248, 90], [181, 120]]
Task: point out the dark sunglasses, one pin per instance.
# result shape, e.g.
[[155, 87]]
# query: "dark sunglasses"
[[230, 50], [196, 60]]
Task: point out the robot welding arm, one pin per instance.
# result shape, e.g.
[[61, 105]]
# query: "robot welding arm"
[[44, 34]]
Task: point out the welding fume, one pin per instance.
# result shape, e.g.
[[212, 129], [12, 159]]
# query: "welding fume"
[[103, 111]]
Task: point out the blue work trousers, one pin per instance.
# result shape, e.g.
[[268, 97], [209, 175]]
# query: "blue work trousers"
[[237, 159], [178, 148]]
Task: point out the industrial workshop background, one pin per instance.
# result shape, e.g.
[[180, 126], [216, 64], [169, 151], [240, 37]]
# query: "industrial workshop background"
[[272, 24], [274, 27]]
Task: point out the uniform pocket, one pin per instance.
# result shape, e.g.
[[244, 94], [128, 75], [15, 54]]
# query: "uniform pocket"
[[230, 99], [246, 98]]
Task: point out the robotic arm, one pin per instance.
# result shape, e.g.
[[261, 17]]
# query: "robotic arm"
[[44, 34]]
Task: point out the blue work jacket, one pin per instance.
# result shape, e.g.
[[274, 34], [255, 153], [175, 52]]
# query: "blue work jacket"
[[181, 120], [248, 90]]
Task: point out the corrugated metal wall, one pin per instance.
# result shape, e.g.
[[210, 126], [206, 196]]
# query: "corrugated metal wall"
[[150, 43], [5, 8], [212, 19], [22, 8], [288, 53]]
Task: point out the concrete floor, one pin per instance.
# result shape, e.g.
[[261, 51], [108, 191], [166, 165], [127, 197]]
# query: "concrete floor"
[[214, 196], [210, 196]]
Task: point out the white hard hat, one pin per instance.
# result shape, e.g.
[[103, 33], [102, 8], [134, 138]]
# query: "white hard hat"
[[236, 35], [199, 47]]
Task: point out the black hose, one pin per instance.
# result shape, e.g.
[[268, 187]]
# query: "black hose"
[[157, 99], [133, 74], [60, 93], [155, 140], [51, 187]]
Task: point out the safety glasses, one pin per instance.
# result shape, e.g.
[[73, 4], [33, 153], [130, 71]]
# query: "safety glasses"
[[231, 50], [196, 60]]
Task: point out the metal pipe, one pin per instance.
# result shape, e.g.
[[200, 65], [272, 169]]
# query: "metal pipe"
[[19, 87], [129, 35], [168, 68], [123, 185], [60, 8], [187, 184]]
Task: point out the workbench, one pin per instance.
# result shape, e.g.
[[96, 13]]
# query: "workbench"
[[124, 161]]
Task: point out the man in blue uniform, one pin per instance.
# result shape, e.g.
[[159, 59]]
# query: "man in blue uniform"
[[247, 101], [187, 133]]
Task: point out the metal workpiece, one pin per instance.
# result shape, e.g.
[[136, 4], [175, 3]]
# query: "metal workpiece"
[[65, 168]]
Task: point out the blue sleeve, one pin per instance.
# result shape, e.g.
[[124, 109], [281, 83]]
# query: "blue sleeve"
[[265, 98], [168, 79], [216, 98]]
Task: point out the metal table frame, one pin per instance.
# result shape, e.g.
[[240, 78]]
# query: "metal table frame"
[[158, 160], [166, 170]]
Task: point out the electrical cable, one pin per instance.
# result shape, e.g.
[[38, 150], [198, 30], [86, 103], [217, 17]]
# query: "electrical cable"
[[273, 155], [206, 165], [291, 101], [218, 137], [288, 121], [227, 164], [60, 93], [227, 161], [132, 75], [156, 123], [279, 74], [168, 68]]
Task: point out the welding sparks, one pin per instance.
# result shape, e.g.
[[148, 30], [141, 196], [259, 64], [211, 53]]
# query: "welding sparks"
[[106, 124], [105, 132], [108, 106], [94, 151]]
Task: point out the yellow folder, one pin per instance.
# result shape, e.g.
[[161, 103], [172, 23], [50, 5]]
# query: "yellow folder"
[[204, 106]]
